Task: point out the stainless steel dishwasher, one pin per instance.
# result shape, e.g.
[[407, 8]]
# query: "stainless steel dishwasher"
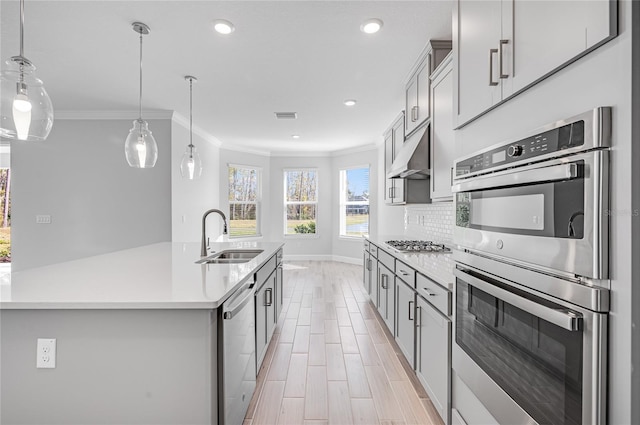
[[236, 355]]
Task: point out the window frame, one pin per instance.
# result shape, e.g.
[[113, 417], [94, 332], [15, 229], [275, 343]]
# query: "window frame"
[[257, 203], [287, 203], [343, 203]]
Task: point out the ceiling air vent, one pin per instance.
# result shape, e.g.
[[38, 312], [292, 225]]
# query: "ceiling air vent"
[[286, 115]]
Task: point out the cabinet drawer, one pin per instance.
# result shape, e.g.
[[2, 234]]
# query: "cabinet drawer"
[[406, 273], [366, 245], [373, 250], [438, 296], [263, 273], [387, 260]]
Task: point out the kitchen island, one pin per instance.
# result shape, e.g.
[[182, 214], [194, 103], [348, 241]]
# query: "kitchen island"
[[136, 335]]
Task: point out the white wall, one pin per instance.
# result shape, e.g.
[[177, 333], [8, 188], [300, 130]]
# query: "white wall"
[[97, 203], [316, 246], [268, 189], [350, 249], [602, 78], [191, 198]]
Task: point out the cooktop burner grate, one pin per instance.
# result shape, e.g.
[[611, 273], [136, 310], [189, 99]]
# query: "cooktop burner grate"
[[417, 246]]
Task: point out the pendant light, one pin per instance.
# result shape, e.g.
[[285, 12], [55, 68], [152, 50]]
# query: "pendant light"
[[26, 112], [140, 148], [191, 165]]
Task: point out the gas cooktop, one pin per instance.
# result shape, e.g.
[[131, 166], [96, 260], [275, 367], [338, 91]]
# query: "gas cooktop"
[[417, 246]]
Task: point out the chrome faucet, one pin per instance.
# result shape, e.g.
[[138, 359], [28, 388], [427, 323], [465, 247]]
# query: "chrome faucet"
[[203, 250]]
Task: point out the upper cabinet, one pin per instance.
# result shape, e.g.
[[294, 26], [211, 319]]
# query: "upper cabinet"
[[393, 139], [442, 133], [503, 47], [417, 87]]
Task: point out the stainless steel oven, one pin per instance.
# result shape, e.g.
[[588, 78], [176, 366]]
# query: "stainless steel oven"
[[531, 292], [540, 200], [529, 357]]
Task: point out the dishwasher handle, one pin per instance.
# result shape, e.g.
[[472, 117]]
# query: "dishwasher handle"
[[237, 306]]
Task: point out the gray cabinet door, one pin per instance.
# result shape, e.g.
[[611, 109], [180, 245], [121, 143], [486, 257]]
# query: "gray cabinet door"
[[442, 134], [388, 160], [366, 272], [270, 304], [385, 294], [433, 362], [261, 325], [279, 288], [405, 315], [398, 192]]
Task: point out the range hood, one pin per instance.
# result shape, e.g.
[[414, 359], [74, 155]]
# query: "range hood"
[[412, 162]]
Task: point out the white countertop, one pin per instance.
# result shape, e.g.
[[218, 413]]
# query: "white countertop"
[[438, 267], [158, 276]]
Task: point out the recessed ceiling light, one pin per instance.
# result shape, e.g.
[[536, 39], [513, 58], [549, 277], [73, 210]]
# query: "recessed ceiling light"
[[350, 102], [223, 26], [371, 26], [295, 136]]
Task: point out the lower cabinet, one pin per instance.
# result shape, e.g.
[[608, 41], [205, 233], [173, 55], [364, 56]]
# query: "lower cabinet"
[[279, 288], [386, 285], [266, 317], [433, 358], [405, 315]]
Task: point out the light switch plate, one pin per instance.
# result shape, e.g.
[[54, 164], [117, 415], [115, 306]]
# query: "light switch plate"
[[46, 353]]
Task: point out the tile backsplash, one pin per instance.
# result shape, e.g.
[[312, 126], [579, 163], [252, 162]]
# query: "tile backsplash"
[[432, 222]]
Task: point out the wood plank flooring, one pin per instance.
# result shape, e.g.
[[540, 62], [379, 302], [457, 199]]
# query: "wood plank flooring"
[[332, 360]]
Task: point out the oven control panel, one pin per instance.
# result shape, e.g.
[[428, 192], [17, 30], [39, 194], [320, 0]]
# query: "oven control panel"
[[556, 140]]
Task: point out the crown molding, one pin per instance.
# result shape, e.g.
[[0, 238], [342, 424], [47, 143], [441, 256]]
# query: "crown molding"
[[355, 149], [245, 149], [113, 115], [184, 122]]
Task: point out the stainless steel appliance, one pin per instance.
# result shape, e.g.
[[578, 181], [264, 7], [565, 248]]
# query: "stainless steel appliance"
[[236, 355], [531, 292], [405, 245], [540, 200]]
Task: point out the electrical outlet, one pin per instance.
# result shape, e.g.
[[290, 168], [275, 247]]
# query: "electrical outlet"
[[46, 353], [43, 219]]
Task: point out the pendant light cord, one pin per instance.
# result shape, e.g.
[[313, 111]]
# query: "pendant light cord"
[[140, 100], [22, 28], [191, 115]]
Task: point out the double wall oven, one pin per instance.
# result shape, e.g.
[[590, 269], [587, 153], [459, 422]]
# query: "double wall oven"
[[532, 289]]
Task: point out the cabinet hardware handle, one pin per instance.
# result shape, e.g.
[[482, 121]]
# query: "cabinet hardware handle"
[[410, 302], [431, 294], [390, 197], [403, 273], [414, 113], [385, 279], [270, 292], [419, 317], [369, 264], [491, 53], [502, 43], [451, 179]]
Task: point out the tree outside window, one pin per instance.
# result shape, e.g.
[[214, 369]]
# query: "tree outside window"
[[244, 201], [301, 201], [354, 202]]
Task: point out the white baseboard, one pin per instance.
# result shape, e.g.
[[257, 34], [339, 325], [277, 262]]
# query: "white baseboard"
[[338, 258]]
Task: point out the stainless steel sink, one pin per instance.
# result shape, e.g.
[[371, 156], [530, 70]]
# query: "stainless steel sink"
[[231, 256]]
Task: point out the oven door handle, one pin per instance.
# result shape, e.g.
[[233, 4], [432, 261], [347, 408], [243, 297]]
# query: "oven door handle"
[[566, 319], [517, 178]]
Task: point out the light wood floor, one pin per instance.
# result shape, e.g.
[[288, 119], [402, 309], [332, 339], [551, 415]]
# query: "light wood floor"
[[331, 361]]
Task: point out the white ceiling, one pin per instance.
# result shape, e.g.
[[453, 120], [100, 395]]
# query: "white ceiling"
[[302, 56]]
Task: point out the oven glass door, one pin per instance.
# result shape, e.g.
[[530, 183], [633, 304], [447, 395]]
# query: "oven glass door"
[[537, 363], [551, 209]]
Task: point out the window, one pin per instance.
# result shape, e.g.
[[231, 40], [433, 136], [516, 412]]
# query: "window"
[[354, 201], [244, 201], [300, 201]]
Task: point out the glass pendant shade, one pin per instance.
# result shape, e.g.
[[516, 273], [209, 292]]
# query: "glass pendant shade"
[[26, 112], [140, 148], [191, 165]]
